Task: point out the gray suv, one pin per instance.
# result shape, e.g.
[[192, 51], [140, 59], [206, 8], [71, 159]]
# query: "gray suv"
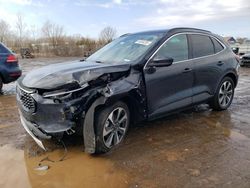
[[137, 77]]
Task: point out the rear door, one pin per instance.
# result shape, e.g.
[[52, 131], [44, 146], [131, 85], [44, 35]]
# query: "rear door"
[[208, 65]]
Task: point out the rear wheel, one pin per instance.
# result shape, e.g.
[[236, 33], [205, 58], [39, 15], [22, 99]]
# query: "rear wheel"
[[224, 95], [111, 126]]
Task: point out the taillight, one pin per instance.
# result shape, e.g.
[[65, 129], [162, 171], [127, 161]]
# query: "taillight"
[[11, 59]]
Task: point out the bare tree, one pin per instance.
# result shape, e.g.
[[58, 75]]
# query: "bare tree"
[[4, 31], [20, 26], [50, 39], [107, 34], [53, 32], [33, 32]]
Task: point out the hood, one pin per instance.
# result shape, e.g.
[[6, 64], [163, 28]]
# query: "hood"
[[56, 75]]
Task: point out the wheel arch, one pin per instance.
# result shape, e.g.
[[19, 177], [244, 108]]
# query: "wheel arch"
[[233, 77], [229, 74], [136, 106]]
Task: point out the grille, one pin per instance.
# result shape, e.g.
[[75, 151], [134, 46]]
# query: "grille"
[[26, 100], [246, 58]]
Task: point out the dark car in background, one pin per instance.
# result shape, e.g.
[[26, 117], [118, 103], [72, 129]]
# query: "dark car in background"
[[245, 60], [9, 68], [137, 77]]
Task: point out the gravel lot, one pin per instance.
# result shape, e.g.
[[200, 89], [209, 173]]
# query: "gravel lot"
[[196, 148]]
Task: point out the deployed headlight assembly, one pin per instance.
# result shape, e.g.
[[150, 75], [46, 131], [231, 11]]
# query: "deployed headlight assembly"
[[63, 92]]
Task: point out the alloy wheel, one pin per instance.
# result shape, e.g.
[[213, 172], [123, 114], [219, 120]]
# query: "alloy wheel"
[[225, 93], [115, 127]]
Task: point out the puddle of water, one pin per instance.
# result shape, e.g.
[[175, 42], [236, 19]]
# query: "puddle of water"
[[77, 170], [12, 168]]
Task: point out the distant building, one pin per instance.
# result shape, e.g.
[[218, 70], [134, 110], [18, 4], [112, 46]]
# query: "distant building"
[[230, 40]]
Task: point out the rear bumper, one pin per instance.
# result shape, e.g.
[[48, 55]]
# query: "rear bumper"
[[11, 76]]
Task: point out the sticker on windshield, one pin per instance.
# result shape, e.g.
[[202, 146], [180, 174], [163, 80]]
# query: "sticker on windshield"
[[143, 42]]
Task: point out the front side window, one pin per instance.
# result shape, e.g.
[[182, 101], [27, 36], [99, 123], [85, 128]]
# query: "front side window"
[[202, 45], [175, 48]]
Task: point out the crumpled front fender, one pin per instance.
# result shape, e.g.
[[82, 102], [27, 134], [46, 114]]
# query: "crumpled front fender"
[[130, 87], [88, 128]]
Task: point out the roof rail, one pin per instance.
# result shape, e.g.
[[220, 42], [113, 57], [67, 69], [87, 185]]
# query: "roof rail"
[[189, 28]]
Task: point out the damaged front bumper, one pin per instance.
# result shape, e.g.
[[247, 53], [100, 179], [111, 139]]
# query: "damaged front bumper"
[[44, 118], [34, 132]]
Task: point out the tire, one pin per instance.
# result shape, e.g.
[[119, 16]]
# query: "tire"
[[105, 128], [1, 83], [224, 95]]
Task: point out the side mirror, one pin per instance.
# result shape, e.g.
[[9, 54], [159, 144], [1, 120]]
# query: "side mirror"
[[162, 62]]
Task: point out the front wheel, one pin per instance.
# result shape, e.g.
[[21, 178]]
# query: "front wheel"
[[111, 126], [224, 95]]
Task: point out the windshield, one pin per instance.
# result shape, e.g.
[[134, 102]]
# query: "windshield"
[[126, 48]]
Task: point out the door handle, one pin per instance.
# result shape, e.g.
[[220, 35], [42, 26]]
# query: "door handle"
[[220, 63], [187, 70]]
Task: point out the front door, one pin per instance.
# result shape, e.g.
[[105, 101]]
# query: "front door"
[[170, 87]]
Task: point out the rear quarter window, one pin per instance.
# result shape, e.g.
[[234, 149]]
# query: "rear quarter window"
[[3, 49], [202, 45], [217, 46]]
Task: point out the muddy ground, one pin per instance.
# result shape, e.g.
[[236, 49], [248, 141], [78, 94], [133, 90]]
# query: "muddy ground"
[[196, 148]]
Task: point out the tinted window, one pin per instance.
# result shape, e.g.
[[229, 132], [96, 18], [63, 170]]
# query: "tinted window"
[[176, 48], [3, 49], [217, 46], [202, 45]]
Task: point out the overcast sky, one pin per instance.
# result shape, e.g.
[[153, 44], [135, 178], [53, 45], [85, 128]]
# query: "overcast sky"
[[88, 17]]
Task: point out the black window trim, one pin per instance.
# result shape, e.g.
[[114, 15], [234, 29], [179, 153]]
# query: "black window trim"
[[189, 47], [214, 44]]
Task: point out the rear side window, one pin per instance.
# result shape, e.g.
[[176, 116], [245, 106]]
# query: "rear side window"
[[3, 49], [176, 48], [217, 46], [202, 45]]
